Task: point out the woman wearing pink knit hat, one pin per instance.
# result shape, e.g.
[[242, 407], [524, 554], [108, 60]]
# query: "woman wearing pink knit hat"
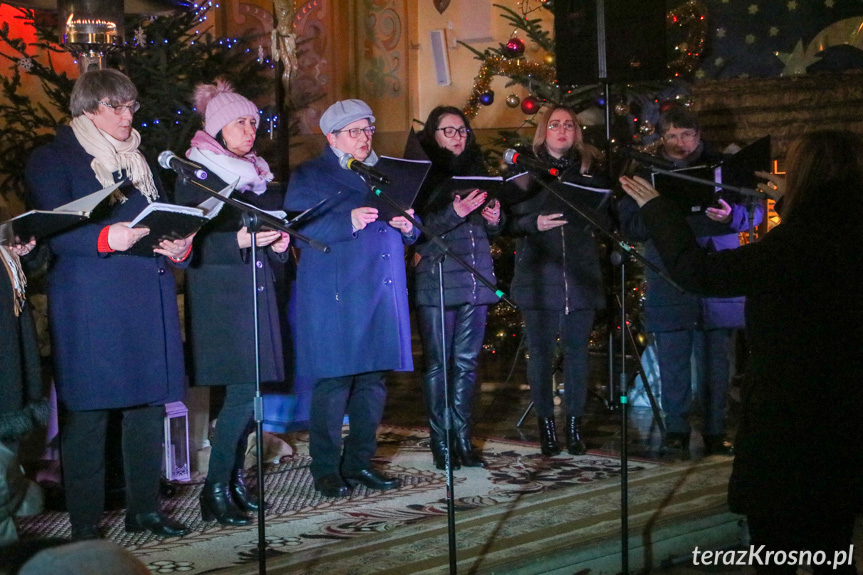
[[219, 301]]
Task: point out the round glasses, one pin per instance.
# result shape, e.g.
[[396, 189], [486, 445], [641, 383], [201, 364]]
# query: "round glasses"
[[567, 126], [120, 108], [355, 132], [450, 131]]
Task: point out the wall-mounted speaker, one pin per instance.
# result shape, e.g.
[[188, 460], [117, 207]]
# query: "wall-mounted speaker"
[[609, 40], [441, 57]]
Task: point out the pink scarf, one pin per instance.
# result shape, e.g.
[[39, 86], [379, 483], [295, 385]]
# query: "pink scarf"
[[252, 171]]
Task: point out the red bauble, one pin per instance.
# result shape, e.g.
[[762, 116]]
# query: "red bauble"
[[515, 47], [666, 105], [530, 105]]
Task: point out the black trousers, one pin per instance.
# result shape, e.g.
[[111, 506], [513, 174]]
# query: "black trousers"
[[83, 454], [543, 326], [797, 532], [228, 447], [362, 398]]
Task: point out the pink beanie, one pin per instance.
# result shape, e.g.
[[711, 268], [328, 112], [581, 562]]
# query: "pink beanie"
[[220, 105]]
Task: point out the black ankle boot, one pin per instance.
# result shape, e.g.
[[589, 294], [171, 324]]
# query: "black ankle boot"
[[244, 500], [574, 443], [548, 436], [438, 449], [466, 453], [217, 505]]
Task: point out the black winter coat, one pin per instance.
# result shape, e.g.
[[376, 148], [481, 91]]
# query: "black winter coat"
[[467, 237], [559, 268], [23, 403], [800, 443], [219, 304]]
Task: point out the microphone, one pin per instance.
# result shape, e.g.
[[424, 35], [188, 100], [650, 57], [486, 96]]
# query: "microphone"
[[513, 158], [186, 168], [643, 158], [348, 162]]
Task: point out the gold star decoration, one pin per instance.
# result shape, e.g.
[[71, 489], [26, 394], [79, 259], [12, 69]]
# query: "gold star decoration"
[[792, 6], [753, 9]]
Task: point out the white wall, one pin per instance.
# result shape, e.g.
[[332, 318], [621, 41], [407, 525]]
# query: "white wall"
[[482, 25]]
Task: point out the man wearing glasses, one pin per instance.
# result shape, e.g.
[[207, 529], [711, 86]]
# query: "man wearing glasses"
[[352, 323], [683, 323]]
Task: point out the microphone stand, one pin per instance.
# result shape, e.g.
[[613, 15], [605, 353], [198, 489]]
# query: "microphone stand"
[[450, 493], [254, 218], [625, 251]]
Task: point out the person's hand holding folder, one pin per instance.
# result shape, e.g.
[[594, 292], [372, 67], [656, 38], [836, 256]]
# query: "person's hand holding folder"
[[463, 206], [121, 237]]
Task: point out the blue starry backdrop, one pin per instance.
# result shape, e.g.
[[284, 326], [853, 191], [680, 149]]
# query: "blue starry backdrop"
[[763, 38]]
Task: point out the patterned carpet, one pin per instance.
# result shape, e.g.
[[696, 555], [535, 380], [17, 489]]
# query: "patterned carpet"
[[312, 534]]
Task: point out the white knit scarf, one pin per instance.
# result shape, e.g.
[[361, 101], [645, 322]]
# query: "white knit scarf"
[[111, 155]]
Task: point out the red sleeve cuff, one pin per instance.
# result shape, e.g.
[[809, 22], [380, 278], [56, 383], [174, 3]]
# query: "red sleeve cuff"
[[185, 256], [103, 247]]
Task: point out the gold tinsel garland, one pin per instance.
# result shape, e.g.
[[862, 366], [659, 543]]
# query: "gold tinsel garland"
[[512, 67]]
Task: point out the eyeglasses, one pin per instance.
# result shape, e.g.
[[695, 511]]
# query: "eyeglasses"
[[120, 108], [355, 132], [567, 127], [450, 131], [688, 136]]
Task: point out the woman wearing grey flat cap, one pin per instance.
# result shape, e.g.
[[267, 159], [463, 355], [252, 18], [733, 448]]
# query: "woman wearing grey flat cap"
[[352, 308]]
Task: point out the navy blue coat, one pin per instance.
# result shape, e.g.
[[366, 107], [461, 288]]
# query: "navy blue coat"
[[114, 322], [352, 307], [667, 308], [219, 302]]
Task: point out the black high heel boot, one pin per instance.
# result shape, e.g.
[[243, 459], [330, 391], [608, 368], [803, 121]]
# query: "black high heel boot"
[[244, 500], [217, 505], [466, 453], [438, 449], [574, 443], [548, 436]]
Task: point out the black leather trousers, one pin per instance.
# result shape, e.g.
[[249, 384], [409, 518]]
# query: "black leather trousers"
[[464, 331]]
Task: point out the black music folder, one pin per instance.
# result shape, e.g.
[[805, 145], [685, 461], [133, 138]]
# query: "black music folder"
[[173, 222], [407, 178], [580, 194], [510, 190], [739, 169], [690, 197], [41, 223]]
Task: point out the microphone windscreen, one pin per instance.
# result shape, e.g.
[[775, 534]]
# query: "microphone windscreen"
[[165, 159], [345, 161]]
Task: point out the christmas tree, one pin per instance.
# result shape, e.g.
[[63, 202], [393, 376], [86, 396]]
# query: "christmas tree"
[[165, 57], [636, 106]]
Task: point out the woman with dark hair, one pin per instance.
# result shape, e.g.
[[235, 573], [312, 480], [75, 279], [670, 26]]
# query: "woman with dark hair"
[[465, 219], [558, 281], [798, 467], [220, 274], [115, 327]]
